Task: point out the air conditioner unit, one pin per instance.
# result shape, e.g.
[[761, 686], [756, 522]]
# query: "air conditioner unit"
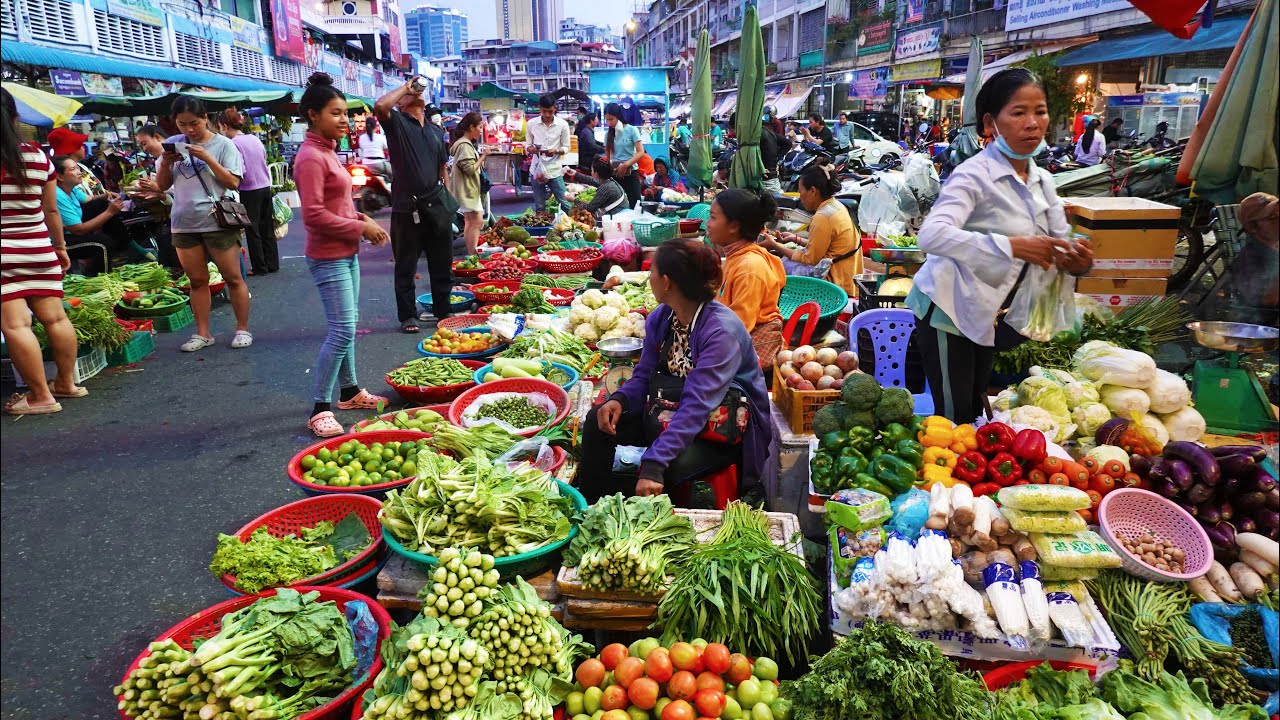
[[349, 8]]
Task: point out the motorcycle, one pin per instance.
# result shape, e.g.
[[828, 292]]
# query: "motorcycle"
[[370, 185], [1161, 140], [805, 153]]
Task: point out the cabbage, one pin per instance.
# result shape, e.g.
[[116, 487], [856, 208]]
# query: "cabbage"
[[1105, 453], [1089, 417], [1045, 393], [1078, 389], [1106, 364], [897, 286], [1005, 401], [1155, 428], [1185, 424], [1168, 393], [1124, 401], [1038, 418]]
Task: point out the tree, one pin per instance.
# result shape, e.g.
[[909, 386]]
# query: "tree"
[[1063, 96]]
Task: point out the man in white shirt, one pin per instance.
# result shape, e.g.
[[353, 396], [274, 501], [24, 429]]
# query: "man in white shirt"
[[548, 142]]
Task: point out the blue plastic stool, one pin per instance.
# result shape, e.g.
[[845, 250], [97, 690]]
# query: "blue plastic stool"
[[890, 331]]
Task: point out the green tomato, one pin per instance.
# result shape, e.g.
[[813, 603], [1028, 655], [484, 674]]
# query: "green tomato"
[[781, 709], [591, 699], [699, 643], [768, 692], [732, 710], [749, 692], [765, 669], [761, 712], [575, 703], [658, 707], [647, 646], [637, 714]]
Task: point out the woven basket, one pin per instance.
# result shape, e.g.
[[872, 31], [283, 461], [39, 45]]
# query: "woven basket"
[[513, 385], [495, 297], [294, 469], [432, 394], [654, 232], [566, 261]]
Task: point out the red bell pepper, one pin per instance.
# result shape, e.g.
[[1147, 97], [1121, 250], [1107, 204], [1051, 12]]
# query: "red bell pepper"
[[986, 488], [971, 467], [1004, 469], [995, 438], [1028, 446]]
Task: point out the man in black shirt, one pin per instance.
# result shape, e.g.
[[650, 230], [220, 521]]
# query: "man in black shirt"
[[818, 132], [1112, 131], [771, 145], [420, 221]]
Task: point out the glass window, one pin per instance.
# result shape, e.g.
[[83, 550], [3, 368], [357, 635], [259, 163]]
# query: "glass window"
[[861, 133]]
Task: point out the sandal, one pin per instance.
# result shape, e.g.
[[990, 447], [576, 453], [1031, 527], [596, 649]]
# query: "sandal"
[[197, 342], [325, 425], [363, 400], [409, 327], [20, 404], [79, 392], [242, 339]]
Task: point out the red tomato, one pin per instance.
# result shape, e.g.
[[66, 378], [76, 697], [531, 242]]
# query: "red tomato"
[[710, 703], [643, 693], [658, 665], [716, 657], [628, 670], [678, 710], [684, 656], [590, 673], [710, 681], [612, 655], [739, 668], [683, 685], [614, 698]]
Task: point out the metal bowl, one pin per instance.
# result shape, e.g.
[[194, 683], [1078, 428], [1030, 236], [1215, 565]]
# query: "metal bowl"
[[1235, 337], [620, 347]]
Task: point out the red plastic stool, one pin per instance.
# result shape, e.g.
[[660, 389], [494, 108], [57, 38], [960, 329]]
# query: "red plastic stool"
[[810, 312], [645, 265], [723, 482]]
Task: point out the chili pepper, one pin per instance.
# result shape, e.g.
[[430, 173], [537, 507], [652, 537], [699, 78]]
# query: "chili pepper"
[[966, 436], [834, 441], [986, 488], [895, 472], [1004, 469], [893, 433], [868, 482], [862, 438], [911, 451], [1028, 445], [937, 474], [971, 467], [1059, 479], [995, 438], [939, 456], [1038, 476]]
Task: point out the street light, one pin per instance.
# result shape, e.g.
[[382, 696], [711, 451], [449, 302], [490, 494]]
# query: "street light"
[[631, 26]]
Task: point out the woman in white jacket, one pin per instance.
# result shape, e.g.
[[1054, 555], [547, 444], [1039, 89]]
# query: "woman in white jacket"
[[1092, 145]]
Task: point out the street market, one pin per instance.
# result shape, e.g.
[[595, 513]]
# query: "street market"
[[646, 398]]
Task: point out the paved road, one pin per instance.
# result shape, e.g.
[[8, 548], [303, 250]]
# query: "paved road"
[[110, 509]]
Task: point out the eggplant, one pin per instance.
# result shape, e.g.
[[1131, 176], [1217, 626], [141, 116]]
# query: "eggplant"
[[1230, 486], [1202, 461], [1236, 465], [1181, 474], [1255, 452], [1222, 535], [1110, 431], [1271, 500], [1209, 513], [1166, 488], [1246, 525], [1159, 469], [1226, 510], [1226, 556], [1140, 464], [1251, 501], [1268, 520], [1199, 493], [1262, 480], [1192, 510]]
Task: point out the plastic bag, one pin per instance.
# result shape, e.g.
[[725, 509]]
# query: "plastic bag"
[[538, 400], [858, 508], [535, 451], [1084, 549], [364, 630], [280, 210], [1043, 498], [910, 511], [1044, 305], [1213, 620], [1053, 572], [1058, 522]]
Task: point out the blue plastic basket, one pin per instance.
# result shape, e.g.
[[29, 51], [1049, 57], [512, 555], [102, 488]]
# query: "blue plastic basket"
[[425, 301], [573, 374], [463, 356]]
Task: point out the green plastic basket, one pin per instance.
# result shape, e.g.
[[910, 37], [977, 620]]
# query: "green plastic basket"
[[138, 347], [174, 322], [701, 211], [525, 565], [652, 233], [831, 299], [154, 311]]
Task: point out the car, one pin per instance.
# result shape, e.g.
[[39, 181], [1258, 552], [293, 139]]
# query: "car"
[[886, 124], [876, 148]]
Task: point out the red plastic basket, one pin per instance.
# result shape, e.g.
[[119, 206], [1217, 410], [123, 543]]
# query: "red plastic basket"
[[526, 265], [560, 297], [511, 287], [292, 518], [488, 277], [294, 468], [458, 322], [206, 623], [1014, 672], [214, 288], [428, 394], [690, 226], [466, 272], [442, 409], [1131, 512], [566, 261], [513, 385]]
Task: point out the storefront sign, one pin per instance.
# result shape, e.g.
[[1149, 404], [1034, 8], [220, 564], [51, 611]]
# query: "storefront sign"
[[140, 10], [873, 83], [913, 11], [71, 82], [875, 38], [331, 64], [918, 42], [143, 87], [393, 33], [1171, 99], [286, 19], [245, 34], [1034, 13], [1124, 101], [916, 71], [349, 70]]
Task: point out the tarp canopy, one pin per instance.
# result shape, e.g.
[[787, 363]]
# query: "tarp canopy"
[[748, 169], [725, 105], [793, 97], [40, 108], [1014, 58], [1222, 36], [270, 100], [492, 91], [680, 110], [578, 95]]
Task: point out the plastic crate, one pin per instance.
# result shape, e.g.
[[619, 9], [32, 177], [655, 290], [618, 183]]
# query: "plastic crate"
[[138, 347], [799, 406], [174, 322], [652, 233], [89, 362]]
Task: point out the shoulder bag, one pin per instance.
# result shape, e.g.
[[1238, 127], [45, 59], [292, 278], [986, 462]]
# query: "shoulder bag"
[[230, 214], [727, 423]]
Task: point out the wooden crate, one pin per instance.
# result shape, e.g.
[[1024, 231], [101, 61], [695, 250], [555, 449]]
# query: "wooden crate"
[[798, 406]]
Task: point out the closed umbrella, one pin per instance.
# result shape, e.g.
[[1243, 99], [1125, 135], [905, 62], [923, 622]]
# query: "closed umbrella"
[[699, 168], [969, 142], [748, 169], [41, 109], [1238, 157]]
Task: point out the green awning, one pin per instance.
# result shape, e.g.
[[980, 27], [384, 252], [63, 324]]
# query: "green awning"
[[493, 91]]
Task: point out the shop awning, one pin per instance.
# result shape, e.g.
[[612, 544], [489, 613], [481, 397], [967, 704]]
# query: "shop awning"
[[25, 54], [492, 91], [679, 110], [1014, 58], [793, 97], [726, 105], [1222, 36]]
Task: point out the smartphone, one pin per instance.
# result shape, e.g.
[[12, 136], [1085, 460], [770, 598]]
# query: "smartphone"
[[169, 147]]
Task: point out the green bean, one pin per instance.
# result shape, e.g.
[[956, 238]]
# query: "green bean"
[[431, 372]]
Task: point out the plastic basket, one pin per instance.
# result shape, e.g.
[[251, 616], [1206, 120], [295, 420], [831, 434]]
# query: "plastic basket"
[[442, 409], [652, 233], [831, 299], [527, 266], [464, 356], [510, 288], [573, 374], [566, 261], [294, 468], [214, 288], [90, 362], [425, 301], [560, 297], [154, 311], [206, 624], [1131, 511], [700, 212], [799, 406], [466, 272], [291, 519], [138, 347], [513, 385], [174, 322], [1007, 675], [430, 394], [526, 565], [457, 322]]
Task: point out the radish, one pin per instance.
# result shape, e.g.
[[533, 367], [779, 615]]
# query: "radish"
[[784, 356], [833, 372], [824, 382]]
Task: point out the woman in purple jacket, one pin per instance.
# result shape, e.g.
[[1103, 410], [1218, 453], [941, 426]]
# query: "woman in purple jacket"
[[696, 351]]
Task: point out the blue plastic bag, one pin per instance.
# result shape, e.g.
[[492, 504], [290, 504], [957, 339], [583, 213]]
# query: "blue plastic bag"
[[910, 511], [364, 629], [1213, 622]]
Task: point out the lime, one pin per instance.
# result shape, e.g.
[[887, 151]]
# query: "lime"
[[408, 468], [323, 455], [308, 462]]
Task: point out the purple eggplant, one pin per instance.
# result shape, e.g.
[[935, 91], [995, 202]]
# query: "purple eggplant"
[[1199, 493], [1209, 513], [1201, 460], [1230, 486], [1110, 431], [1159, 469], [1166, 488], [1271, 500], [1140, 464], [1236, 465], [1256, 452], [1222, 535], [1192, 510], [1226, 556], [1246, 525], [1226, 510], [1181, 474], [1262, 480], [1267, 520], [1251, 501]]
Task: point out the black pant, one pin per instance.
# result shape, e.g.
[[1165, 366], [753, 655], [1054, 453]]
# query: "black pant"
[[595, 472], [264, 252], [409, 241], [957, 393], [631, 186], [114, 234]]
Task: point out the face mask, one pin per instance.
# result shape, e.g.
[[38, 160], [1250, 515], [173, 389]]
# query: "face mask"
[[767, 117], [626, 106], [1008, 152]]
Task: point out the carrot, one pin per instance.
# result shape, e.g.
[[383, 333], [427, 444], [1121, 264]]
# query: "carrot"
[[1091, 464], [1075, 471], [1038, 477], [1130, 479], [1114, 468], [1059, 479], [1052, 465]]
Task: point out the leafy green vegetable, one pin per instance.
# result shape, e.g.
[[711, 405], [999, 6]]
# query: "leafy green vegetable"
[[627, 543], [268, 561], [1169, 697]]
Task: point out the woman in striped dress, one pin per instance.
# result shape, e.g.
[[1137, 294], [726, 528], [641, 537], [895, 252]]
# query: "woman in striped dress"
[[33, 256]]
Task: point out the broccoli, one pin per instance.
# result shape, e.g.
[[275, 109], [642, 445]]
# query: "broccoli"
[[861, 418], [860, 391], [896, 406], [828, 419]]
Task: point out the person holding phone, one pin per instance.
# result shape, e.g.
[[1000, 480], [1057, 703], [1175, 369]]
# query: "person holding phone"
[[623, 150], [204, 167]]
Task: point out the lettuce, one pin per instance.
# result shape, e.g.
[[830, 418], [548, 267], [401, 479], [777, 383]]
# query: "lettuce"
[[1045, 393]]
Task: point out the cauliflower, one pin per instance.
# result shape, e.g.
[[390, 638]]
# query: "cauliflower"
[[1089, 417], [1035, 417], [637, 324], [616, 301], [579, 313], [617, 332], [593, 299], [586, 332], [606, 318]]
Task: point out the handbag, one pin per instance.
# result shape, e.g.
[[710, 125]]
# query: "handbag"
[[437, 202], [229, 214], [727, 422]]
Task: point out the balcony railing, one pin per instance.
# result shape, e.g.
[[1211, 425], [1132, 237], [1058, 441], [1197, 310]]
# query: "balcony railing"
[[975, 23]]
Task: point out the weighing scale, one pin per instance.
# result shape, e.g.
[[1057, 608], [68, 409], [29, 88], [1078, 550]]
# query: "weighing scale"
[[621, 354], [1228, 396]]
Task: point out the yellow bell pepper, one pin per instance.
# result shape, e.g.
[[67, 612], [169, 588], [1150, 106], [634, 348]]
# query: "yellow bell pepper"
[[964, 439], [938, 420], [936, 436], [933, 474], [936, 455]]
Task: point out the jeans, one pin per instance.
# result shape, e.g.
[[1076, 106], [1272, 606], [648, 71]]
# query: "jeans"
[[260, 237], [339, 284], [408, 242], [541, 191]]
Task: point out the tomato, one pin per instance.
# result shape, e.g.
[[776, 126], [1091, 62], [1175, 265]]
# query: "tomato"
[[749, 692], [658, 665], [710, 703], [590, 673], [739, 668], [616, 714], [678, 710], [683, 685], [710, 681], [612, 655], [716, 657], [628, 670], [1102, 483], [643, 693], [765, 669], [684, 656], [614, 698]]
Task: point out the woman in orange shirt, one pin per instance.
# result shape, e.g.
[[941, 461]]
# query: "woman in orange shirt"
[[753, 279]]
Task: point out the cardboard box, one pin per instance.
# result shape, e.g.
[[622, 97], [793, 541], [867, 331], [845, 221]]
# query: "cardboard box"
[[1132, 237], [1119, 293]]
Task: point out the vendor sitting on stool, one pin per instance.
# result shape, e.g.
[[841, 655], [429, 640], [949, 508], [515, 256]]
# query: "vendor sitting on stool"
[[698, 356]]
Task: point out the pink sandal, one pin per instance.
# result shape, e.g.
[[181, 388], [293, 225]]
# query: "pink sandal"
[[364, 400], [325, 425]]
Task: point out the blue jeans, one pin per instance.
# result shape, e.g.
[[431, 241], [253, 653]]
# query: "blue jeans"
[[541, 191], [339, 284]]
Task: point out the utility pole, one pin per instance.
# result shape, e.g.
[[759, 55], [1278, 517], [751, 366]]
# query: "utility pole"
[[822, 78]]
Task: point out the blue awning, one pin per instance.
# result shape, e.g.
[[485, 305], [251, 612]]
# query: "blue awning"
[[1222, 36], [26, 54]]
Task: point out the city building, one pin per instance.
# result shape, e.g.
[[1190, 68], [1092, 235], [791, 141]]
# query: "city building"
[[547, 15], [515, 19], [534, 67], [571, 29], [451, 85], [435, 32]]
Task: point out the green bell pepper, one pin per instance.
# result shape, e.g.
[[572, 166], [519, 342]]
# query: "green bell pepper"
[[850, 462], [911, 451], [834, 442], [861, 438], [876, 452], [894, 433], [868, 482], [917, 425], [895, 472], [821, 470]]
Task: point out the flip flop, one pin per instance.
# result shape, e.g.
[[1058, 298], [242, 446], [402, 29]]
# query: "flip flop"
[[20, 405], [79, 392], [409, 327], [325, 425], [363, 400]]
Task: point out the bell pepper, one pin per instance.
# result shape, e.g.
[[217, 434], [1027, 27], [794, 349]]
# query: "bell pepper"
[[939, 456], [849, 463], [893, 433], [964, 438], [876, 452], [861, 438], [917, 425], [911, 451], [938, 421], [1004, 469], [936, 436], [986, 488], [820, 472], [834, 442], [866, 481], [1028, 446], [995, 438], [895, 472], [932, 474], [971, 467]]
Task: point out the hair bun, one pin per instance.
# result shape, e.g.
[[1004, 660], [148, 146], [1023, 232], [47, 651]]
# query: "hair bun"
[[319, 78]]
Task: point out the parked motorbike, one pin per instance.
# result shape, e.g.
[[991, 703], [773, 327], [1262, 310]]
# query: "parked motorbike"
[[1161, 140], [805, 153], [370, 185]]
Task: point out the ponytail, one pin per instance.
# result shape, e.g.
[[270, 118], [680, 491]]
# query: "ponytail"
[[751, 211]]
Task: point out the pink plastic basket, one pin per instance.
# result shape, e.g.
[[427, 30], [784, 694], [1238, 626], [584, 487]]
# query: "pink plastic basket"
[[1128, 512], [513, 385]]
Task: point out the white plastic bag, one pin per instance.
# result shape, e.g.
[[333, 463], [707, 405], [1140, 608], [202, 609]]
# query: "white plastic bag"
[[539, 400], [1044, 305]]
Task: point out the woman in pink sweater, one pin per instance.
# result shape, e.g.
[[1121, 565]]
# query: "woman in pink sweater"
[[334, 231]]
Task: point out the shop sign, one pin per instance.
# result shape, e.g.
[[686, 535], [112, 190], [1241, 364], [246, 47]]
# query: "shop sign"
[[916, 71], [71, 82], [1170, 99], [288, 40], [918, 41], [144, 87], [875, 38], [873, 83], [1022, 14], [140, 10], [245, 34], [349, 70], [331, 64], [393, 33], [1124, 101], [913, 11]]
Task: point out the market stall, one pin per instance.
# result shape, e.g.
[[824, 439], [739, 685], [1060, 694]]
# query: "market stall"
[[647, 89]]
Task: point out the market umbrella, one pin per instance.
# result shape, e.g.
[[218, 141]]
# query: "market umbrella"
[[748, 168], [1238, 157], [42, 109], [699, 169], [969, 141]]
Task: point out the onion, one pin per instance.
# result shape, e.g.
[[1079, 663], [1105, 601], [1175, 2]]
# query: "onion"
[[847, 361], [784, 356], [827, 356], [794, 380], [833, 371], [824, 382], [787, 369], [811, 371], [803, 354], [839, 383], [804, 385]]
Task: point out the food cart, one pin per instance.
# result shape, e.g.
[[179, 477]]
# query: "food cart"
[[647, 88]]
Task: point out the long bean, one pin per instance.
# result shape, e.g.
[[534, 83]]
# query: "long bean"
[[431, 372]]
